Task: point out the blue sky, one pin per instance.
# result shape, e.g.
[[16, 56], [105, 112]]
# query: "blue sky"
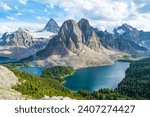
[[104, 14]]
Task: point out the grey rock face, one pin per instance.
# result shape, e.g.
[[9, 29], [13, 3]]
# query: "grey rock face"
[[7, 80], [125, 39], [72, 37], [52, 26], [18, 38], [128, 32], [144, 35], [89, 38], [68, 39]]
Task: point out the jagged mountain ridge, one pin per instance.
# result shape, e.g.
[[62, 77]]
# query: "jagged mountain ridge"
[[125, 39], [71, 37], [128, 32], [80, 43], [13, 44], [72, 47], [74, 37], [18, 38]]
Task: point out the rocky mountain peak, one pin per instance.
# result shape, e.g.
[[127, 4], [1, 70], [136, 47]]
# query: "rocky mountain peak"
[[127, 32], [51, 26], [70, 34], [86, 30], [17, 38], [89, 36], [126, 27]]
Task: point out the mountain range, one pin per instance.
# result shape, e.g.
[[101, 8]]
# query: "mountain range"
[[78, 44], [125, 38]]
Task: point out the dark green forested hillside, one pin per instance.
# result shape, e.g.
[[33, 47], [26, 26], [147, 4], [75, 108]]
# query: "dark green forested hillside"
[[37, 87], [58, 72], [136, 84]]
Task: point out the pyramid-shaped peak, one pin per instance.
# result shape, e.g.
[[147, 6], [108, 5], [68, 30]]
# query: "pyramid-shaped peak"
[[52, 26]]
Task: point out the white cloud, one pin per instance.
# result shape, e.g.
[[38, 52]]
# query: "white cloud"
[[13, 26], [4, 6], [31, 11], [16, 7], [103, 13], [24, 2], [10, 18], [95, 8], [42, 18], [19, 14]]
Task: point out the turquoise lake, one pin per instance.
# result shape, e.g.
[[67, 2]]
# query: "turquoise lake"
[[92, 78], [34, 70]]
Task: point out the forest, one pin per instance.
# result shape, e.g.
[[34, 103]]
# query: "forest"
[[136, 84], [57, 72]]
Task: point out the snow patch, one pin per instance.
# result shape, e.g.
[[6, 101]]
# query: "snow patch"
[[121, 31]]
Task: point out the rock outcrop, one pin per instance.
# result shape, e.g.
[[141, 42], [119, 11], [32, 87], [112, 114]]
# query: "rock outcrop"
[[7, 80], [89, 37], [55, 98]]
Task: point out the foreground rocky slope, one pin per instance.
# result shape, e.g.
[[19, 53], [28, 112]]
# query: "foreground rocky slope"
[[7, 79]]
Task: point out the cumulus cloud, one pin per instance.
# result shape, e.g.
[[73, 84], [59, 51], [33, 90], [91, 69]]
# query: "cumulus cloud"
[[4, 6], [31, 11], [24, 2], [19, 14], [13, 26], [42, 18], [10, 18], [95, 8], [104, 13], [16, 7]]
